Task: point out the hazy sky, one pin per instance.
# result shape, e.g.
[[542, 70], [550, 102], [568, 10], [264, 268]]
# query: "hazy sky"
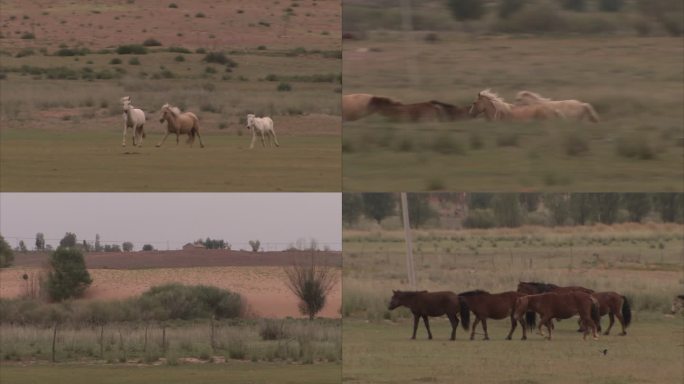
[[276, 219]]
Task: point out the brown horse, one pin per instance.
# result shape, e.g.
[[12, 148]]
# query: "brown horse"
[[554, 305], [486, 305], [431, 304], [180, 123], [614, 305], [532, 288], [427, 111]]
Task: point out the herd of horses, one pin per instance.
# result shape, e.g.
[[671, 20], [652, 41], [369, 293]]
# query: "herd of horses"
[[529, 106], [531, 299], [186, 123]]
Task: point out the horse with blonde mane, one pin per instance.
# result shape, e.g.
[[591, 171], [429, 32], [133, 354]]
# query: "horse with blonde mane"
[[495, 108], [570, 108], [179, 123], [134, 118], [360, 105]]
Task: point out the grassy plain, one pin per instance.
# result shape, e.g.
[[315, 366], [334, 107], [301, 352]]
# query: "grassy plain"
[[634, 83], [643, 262]]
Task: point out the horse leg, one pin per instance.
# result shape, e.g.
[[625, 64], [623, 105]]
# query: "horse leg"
[[200, 138], [454, 324], [524, 328], [263, 144], [415, 326], [163, 139], [142, 134], [472, 331], [514, 324], [545, 321], [251, 146], [611, 321], [484, 326], [123, 143], [275, 139], [427, 325]]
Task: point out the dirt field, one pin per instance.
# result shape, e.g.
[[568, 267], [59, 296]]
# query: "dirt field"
[[62, 121], [259, 278]]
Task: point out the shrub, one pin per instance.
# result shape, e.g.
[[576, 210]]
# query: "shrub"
[[538, 19], [173, 5], [284, 87], [635, 146], [131, 49], [25, 52], [611, 5], [466, 9], [6, 254], [179, 50], [200, 15], [72, 52], [179, 58], [210, 70], [68, 276], [270, 329], [574, 5], [219, 58], [152, 43], [311, 284], [509, 7], [115, 61], [182, 302], [480, 218], [148, 247], [134, 61], [28, 36]]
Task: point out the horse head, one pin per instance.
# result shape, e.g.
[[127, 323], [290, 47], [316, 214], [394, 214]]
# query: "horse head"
[[397, 300], [167, 110], [250, 120]]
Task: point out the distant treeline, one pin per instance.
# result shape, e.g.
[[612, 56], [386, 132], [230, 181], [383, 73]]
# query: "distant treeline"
[[641, 17], [489, 210]]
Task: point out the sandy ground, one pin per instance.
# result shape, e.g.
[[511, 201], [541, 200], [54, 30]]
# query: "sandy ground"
[[263, 287], [235, 23], [259, 277]]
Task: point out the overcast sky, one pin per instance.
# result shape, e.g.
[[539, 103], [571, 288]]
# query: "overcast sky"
[[276, 219]]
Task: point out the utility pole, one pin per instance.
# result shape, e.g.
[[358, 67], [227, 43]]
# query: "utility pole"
[[410, 266]]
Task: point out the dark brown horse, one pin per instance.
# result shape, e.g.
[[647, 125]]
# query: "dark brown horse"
[[431, 304], [427, 111], [614, 305], [555, 305], [533, 288], [486, 305]]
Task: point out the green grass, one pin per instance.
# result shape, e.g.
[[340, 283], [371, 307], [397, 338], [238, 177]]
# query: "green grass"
[[44, 160], [384, 353], [234, 372], [382, 156]]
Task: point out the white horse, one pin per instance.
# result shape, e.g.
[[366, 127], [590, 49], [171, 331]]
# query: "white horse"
[[134, 118], [569, 108], [261, 126]]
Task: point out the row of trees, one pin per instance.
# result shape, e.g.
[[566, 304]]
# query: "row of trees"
[[70, 240], [486, 210]]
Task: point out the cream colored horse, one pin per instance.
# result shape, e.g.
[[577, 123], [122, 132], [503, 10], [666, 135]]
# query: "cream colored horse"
[[570, 108], [495, 108], [262, 126], [134, 118], [180, 123]]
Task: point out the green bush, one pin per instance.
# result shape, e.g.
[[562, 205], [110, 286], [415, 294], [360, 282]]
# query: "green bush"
[[635, 146], [219, 58], [179, 50], [466, 9], [6, 254], [152, 43], [180, 58], [131, 49], [611, 5], [28, 36], [72, 52], [115, 61], [271, 329], [284, 87], [176, 301], [134, 61], [480, 218], [68, 276]]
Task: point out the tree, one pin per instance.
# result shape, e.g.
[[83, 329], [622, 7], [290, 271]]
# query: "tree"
[[148, 247], [68, 276], [311, 284], [22, 247], [40, 241], [530, 201], [378, 205], [6, 254], [69, 240], [479, 200], [581, 208], [638, 205], [255, 244], [463, 10], [559, 206], [507, 210], [215, 244], [112, 248], [352, 208], [127, 246], [607, 205], [670, 205], [419, 208]]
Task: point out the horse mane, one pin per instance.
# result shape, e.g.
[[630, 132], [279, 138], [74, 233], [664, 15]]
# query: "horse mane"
[[543, 287], [410, 293], [175, 111], [473, 293], [533, 95], [381, 101], [680, 297], [496, 100]]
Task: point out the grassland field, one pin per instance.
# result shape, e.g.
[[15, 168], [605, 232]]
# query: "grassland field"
[[61, 115], [634, 83], [643, 262]]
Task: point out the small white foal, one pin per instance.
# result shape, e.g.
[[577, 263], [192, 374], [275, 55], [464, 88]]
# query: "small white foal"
[[261, 126]]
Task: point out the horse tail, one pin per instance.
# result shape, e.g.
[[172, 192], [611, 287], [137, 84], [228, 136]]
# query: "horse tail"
[[465, 313], [530, 319], [593, 116], [626, 311]]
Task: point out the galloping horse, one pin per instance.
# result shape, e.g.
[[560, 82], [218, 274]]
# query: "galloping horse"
[[487, 305], [180, 123], [432, 304], [427, 111], [554, 305], [134, 118], [495, 108], [359, 105], [569, 108], [262, 126]]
